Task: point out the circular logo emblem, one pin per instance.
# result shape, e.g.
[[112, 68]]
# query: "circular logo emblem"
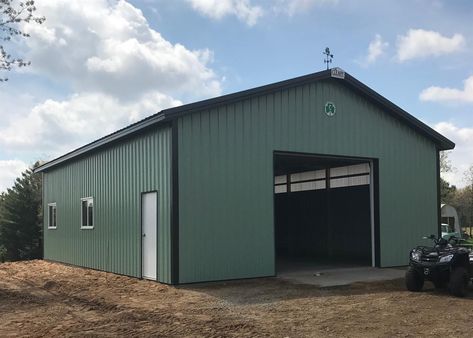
[[330, 108]]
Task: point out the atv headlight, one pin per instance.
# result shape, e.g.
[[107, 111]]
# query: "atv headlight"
[[415, 255], [446, 259]]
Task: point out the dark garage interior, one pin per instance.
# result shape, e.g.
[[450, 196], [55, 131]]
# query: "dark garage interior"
[[322, 211]]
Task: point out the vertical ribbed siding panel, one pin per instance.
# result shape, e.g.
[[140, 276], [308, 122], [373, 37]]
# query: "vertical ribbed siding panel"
[[115, 177], [226, 184]]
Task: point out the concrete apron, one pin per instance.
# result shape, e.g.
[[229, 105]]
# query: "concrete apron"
[[328, 277]]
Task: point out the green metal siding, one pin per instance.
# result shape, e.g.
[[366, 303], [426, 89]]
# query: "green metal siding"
[[115, 177], [226, 175]]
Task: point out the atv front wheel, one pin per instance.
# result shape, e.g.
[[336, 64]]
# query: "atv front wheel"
[[458, 282], [414, 280]]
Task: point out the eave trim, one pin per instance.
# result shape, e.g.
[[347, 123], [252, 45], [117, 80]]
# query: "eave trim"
[[170, 114]]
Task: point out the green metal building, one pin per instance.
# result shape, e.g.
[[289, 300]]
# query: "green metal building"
[[318, 167]]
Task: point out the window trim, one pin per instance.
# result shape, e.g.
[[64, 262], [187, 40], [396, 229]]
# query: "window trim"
[[52, 204], [87, 227]]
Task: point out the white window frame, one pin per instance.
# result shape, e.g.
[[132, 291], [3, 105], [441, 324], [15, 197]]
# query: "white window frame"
[[87, 227], [53, 204]]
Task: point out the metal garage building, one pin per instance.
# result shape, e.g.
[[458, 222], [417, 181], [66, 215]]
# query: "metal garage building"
[[318, 167]]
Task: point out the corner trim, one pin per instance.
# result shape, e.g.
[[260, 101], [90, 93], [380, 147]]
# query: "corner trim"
[[174, 203], [43, 232], [377, 221], [439, 200]]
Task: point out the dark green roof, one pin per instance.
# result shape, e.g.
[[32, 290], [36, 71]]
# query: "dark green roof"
[[167, 115]]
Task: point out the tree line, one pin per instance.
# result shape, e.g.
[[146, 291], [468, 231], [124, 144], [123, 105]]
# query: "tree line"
[[20, 205], [21, 225], [460, 198]]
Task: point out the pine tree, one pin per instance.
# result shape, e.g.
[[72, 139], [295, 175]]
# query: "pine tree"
[[21, 218]]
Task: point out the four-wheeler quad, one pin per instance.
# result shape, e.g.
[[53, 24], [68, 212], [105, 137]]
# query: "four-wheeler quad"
[[446, 264]]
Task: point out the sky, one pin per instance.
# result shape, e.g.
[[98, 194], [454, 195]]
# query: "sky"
[[97, 66]]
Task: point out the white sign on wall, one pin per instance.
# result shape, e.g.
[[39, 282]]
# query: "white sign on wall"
[[338, 73]]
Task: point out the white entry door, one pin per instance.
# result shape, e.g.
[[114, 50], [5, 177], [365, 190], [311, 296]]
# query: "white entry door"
[[149, 212]]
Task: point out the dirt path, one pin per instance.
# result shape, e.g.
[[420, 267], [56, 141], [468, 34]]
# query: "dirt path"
[[39, 298]]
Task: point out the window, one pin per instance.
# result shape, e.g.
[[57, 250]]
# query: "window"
[[87, 213], [450, 222], [301, 181], [347, 176], [52, 216], [352, 175]]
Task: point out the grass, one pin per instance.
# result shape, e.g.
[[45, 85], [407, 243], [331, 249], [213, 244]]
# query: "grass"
[[467, 243]]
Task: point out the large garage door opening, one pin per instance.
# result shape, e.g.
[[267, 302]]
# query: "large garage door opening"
[[323, 211]]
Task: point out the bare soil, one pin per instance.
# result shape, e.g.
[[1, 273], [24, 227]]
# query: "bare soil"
[[39, 298]]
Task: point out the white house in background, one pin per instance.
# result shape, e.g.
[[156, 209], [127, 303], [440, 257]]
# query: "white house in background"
[[450, 217]]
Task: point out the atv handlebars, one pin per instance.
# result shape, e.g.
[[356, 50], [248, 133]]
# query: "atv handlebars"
[[442, 241]]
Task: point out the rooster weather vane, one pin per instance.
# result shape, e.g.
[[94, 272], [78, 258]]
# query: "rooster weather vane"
[[328, 56]]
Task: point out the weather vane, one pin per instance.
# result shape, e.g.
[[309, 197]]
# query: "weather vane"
[[328, 56]]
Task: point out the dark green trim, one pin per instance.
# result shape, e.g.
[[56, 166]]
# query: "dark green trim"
[[439, 200], [172, 113], [327, 207], [43, 201], [274, 217], [241, 95], [119, 135], [342, 157], [377, 221], [441, 141], [175, 204]]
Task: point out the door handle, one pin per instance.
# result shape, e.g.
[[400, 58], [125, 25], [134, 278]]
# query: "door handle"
[[144, 235]]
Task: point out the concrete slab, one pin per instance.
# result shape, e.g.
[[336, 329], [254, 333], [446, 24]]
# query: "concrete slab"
[[326, 276]]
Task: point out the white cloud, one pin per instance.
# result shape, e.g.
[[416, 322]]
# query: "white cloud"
[[217, 9], [435, 93], [462, 155], [292, 7], [55, 127], [376, 48], [420, 43], [98, 45], [9, 171], [114, 69]]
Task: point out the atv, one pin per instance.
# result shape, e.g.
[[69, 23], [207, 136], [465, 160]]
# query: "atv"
[[446, 264]]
